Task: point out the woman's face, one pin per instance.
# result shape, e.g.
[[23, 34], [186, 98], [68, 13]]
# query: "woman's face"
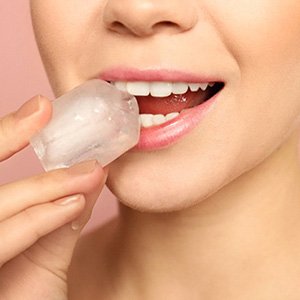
[[254, 45]]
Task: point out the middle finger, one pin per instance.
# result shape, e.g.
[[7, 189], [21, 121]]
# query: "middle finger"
[[17, 196]]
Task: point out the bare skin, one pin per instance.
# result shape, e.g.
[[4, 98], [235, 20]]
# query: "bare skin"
[[243, 248], [219, 218], [41, 217]]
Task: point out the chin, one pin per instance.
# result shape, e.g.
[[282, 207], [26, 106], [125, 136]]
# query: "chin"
[[141, 183], [147, 198]]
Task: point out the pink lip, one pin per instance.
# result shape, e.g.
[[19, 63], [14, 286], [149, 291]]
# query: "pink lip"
[[162, 136], [133, 74]]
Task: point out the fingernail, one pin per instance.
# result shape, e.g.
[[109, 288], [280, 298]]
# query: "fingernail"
[[29, 108], [68, 200], [83, 168]]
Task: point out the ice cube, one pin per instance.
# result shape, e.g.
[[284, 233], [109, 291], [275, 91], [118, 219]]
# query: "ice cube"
[[93, 121]]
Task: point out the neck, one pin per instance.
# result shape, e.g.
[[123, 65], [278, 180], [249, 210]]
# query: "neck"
[[238, 235]]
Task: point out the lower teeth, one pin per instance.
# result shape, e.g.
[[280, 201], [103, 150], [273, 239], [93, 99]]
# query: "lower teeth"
[[149, 120]]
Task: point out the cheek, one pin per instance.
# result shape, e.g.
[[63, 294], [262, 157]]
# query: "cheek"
[[258, 27], [62, 29], [264, 38], [262, 35]]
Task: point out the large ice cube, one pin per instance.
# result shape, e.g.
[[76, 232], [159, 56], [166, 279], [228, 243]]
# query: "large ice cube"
[[92, 121]]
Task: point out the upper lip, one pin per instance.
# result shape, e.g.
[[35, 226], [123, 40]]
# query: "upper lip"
[[166, 75]]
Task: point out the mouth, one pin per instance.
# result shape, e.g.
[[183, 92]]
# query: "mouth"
[[171, 104], [160, 102]]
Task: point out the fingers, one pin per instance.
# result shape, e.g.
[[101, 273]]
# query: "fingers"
[[59, 245], [32, 220], [91, 197], [23, 230], [18, 127], [20, 195], [28, 208]]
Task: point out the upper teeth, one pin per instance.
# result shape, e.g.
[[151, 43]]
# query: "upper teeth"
[[159, 89]]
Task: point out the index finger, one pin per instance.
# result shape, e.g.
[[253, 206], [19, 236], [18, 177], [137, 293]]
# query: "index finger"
[[18, 127]]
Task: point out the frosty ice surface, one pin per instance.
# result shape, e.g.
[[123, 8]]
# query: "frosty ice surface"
[[92, 121]]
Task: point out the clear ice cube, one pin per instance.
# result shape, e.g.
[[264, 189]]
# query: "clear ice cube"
[[93, 121]]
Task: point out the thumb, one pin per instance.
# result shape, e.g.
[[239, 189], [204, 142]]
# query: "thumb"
[[55, 250]]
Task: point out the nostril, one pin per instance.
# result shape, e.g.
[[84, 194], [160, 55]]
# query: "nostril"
[[119, 27], [144, 18], [166, 26]]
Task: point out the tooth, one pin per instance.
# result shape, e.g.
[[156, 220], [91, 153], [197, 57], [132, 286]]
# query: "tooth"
[[121, 85], [171, 116], [139, 88], [146, 120], [194, 87], [160, 89], [203, 86], [159, 119], [149, 120], [179, 88]]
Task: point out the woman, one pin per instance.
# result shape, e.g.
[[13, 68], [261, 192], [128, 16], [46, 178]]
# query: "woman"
[[209, 207]]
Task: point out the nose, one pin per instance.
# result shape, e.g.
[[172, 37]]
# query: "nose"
[[147, 17]]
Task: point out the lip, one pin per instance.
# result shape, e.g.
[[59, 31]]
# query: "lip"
[[168, 133], [167, 75]]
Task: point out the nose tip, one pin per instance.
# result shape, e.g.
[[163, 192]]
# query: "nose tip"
[[147, 17]]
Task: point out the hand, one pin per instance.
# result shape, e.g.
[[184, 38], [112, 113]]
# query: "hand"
[[41, 217]]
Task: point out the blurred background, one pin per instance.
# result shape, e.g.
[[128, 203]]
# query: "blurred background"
[[21, 77]]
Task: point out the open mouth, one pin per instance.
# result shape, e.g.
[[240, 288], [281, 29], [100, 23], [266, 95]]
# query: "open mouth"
[[160, 102]]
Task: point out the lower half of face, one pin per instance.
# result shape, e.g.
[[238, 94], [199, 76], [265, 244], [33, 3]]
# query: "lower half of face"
[[254, 112]]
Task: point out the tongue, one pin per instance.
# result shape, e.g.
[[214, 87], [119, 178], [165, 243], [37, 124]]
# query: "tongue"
[[172, 103]]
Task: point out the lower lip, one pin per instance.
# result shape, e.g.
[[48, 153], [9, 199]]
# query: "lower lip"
[[167, 134]]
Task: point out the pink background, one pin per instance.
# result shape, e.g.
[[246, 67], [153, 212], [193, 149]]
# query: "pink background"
[[21, 77]]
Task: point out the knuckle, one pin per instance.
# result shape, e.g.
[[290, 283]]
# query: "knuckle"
[[11, 141], [29, 218], [7, 125], [55, 178], [7, 131]]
